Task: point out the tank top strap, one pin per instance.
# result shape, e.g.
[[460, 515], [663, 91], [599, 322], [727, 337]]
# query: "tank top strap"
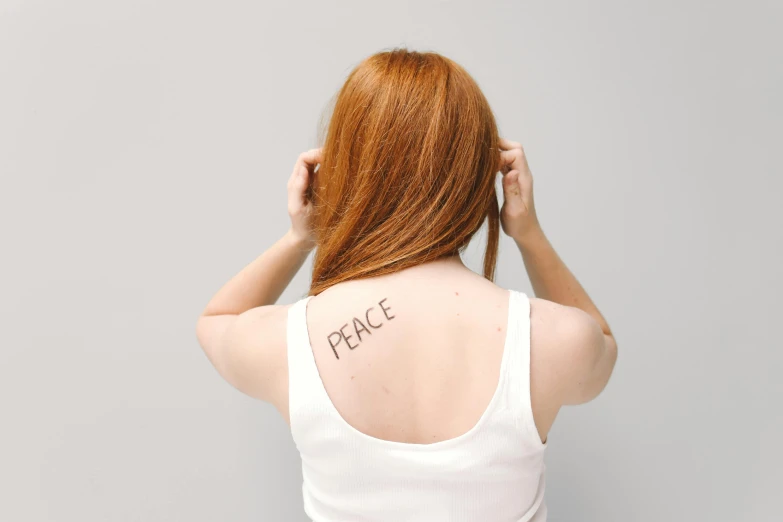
[[518, 367], [304, 381]]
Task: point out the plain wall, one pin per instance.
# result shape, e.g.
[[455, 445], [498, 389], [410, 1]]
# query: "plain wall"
[[144, 151]]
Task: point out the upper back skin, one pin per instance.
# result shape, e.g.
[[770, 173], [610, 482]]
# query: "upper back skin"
[[427, 365]]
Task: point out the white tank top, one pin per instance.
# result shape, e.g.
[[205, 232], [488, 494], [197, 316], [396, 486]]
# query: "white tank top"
[[494, 472]]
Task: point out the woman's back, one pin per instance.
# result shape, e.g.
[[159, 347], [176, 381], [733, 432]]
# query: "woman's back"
[[409, 399], [412, 356]]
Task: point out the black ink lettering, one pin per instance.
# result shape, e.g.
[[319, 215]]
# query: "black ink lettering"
[[346, 337], [359, 328], [380, 303], [329, 338], [367, 317]]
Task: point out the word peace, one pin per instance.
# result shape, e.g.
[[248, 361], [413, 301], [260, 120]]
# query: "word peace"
[[358, 327]]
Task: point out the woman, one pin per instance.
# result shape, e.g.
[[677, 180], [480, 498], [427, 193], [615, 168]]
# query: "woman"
[[415, 389]]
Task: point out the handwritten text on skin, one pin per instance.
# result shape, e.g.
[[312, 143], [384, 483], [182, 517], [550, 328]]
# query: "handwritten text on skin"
[[359, 327]]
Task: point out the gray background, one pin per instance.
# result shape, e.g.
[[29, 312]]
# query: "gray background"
[[145, 148]]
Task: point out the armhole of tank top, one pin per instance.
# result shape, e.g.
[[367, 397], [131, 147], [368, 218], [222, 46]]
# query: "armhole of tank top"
[[523, 334], [298, 358]]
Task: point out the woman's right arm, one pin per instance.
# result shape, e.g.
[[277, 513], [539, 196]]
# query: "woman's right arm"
[[582, 348]]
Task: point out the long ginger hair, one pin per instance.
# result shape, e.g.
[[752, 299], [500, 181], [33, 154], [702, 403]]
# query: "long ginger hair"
[[408, 173]]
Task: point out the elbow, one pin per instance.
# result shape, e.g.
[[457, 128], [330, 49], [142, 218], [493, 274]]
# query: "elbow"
[[611, 351], [606, 366], [600, 372]]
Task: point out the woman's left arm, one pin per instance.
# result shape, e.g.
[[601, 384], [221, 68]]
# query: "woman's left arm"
[[242, 330]]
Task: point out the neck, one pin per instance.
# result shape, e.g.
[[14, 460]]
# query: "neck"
[[450, 261]]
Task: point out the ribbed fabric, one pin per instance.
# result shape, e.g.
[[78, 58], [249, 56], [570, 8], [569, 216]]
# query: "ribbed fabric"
[[492, 473]]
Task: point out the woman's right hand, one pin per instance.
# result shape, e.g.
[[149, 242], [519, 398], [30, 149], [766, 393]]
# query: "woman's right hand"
[[518, 214]]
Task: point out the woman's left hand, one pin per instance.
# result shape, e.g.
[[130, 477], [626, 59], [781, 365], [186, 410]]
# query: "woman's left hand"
[[299, 207]]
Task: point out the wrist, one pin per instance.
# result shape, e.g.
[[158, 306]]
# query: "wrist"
[[533, 235], [299, 241]]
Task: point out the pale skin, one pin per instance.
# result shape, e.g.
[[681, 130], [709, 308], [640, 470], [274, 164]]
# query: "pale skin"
[[389, 380]]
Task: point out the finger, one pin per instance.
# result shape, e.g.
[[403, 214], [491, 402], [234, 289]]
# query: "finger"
[[511, 183], [296, 172], [307, 161], [312, 157], [297, 187], [508, 144], [303, 177], [513, 200], [511, 159]]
